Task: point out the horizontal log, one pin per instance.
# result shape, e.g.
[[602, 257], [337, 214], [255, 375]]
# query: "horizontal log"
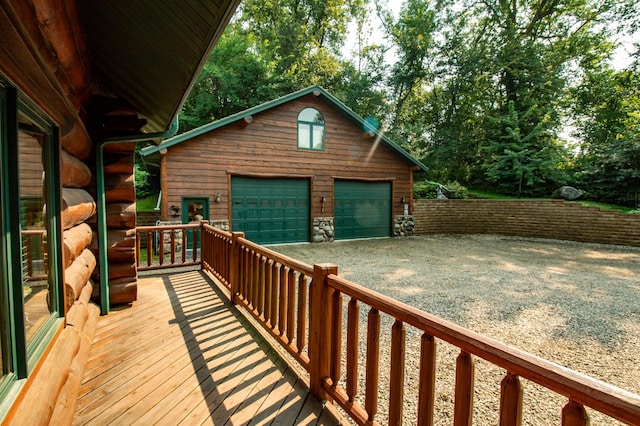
[[64, 410], [37, 404], [123, 291], [77, 141], [120, 189], [121, 215], [119, 164], [117, 271], [120, 245], [77, 206], [86, 294], [77, 316], [75, 240], [73, 172], [120, 148], [57, 22], [78, 274]]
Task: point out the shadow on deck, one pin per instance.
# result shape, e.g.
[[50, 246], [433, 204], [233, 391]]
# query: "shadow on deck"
[[182, 354]]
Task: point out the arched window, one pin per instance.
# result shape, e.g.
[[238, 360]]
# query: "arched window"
[[310, 129]]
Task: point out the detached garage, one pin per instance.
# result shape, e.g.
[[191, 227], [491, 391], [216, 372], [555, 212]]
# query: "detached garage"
[[301, 168]]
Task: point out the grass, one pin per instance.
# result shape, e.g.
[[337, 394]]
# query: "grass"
[[605, 206], [147, 204]]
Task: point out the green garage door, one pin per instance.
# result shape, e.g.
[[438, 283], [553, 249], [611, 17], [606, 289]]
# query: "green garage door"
[[271, 211], [362, 209]]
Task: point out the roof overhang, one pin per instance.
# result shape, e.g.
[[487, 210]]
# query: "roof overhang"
[[150, 52]]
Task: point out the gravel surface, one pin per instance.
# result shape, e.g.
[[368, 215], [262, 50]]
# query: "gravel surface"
[[575, 304]]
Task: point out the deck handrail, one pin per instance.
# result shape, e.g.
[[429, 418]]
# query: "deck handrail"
[[157, 237], [301, 306]]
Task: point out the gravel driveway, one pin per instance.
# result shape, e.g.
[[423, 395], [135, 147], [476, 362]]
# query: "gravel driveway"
[[572, 303]]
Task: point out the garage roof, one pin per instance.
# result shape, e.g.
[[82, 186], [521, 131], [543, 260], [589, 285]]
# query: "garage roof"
[[322, 94], [149, 52]]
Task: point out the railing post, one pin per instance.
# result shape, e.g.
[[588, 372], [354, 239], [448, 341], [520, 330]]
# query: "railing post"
[[234, 266], [320, 329]]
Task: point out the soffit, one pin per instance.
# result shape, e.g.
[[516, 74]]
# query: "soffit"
[[149, 52]]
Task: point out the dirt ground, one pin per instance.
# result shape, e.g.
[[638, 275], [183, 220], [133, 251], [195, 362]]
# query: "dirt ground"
[[575, 304]]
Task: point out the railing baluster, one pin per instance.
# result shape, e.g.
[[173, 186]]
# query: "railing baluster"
[[336, 336], [173, 246], [268, 275], [254, 282], [291, 304], [510, 400], [463, 406], [373, 360], [184, 245], [261, 286], [149, 248], [427, 383], [161, 248], [574, 414], [353, 328], [282, 302], [275, 295], [396, 381], [301, 330]]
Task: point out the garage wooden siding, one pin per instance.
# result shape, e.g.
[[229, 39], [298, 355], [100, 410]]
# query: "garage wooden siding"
[[268, 147]]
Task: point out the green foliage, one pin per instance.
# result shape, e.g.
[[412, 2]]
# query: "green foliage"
[[608, 113], [429, 190], [142, 184], [481, 91]]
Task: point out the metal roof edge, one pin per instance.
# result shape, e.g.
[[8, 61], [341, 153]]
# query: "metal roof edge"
[[335, 102]]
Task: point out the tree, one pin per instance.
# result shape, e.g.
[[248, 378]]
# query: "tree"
[[234, 78], [608, 124]]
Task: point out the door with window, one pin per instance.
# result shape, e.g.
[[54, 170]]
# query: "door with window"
[[194, 210]]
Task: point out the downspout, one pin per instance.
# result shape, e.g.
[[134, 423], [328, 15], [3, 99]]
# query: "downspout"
[[102, 204]]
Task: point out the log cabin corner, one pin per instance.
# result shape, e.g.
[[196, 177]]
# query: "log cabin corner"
[[80, 83]]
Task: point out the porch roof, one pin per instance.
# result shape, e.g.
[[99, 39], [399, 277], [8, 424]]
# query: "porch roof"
[[149, 52]]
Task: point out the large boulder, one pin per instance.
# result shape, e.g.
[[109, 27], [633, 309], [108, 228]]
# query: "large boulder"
[[567, 193]]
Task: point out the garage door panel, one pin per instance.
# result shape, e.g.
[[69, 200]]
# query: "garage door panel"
[[271, 210], [362, 209]]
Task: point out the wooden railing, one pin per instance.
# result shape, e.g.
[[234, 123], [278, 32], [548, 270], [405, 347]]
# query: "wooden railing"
[[35, 241], [315, 315], [166, 246]]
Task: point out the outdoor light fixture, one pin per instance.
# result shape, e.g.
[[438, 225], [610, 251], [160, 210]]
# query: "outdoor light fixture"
[[323, 199], [216, 198], [402, 199]]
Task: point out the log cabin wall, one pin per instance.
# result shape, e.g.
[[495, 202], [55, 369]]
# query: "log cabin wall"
[[267, 147], [36, 59]]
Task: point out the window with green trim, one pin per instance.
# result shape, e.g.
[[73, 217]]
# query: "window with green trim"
[[311, 129], [31, 274]]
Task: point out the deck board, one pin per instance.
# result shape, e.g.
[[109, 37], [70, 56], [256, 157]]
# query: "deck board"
[[182, 355]]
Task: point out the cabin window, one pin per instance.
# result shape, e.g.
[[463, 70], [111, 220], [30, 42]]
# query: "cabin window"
[[311, 133], [30, 276]]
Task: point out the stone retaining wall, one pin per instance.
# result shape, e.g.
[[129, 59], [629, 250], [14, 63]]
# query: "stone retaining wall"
[[555, 219]]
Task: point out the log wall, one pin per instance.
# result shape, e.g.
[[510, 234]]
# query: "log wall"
[[268, 147], [554, 219]]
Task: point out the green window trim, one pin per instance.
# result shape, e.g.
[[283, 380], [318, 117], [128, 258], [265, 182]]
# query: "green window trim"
[[311, 130], [19, 357]]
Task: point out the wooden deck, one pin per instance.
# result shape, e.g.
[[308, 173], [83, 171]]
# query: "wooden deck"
[[182, 355]]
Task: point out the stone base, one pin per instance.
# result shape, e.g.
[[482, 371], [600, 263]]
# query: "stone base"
[[323, 230], [403, 226], [221, 224]]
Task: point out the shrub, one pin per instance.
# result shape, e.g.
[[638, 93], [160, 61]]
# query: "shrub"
[[429, 190]]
